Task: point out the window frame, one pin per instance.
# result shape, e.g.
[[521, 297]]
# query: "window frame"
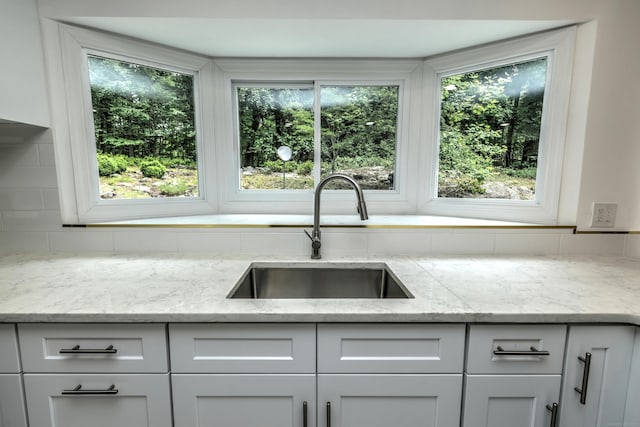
[[80, 196], [558, 47], [230, 72], [215, 108]]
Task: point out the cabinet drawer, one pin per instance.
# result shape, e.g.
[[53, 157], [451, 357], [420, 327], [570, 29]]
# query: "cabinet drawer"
[[243, 348], [390, 348], [93, 347], [9, 361], [123, 400], [516, 349]]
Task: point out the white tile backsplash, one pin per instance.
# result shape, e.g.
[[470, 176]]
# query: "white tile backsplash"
[[341, 243], [21, 200], [132, 240], [80, 241], [632, 246], [31, 220], [399, 242], [527, 244], [592, 244], [24, 242], [209, 241], [464, 242]]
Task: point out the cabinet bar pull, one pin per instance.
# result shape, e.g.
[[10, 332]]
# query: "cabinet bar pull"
[[77, 390], [328, 414], [582, 391], [304, 414], [499, 351], [554, 414], [77, 350]]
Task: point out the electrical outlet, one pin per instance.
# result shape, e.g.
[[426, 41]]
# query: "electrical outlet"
[[604, 214]]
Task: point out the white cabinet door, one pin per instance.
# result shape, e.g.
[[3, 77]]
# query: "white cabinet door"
[[12, 412], [632, 412], [606, 381], [381, 400], [237, 400], [510, 400], [134, 400]]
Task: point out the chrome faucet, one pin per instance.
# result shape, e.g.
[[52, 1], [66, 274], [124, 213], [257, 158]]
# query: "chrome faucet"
[[315, 234]]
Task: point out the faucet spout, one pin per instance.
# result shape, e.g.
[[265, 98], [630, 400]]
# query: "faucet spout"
[[361, 207]]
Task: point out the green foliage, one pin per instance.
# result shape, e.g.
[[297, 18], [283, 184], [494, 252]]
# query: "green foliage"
[[304, 168], [528, 173], [152, 169], [174, 189], [279, 165], [489, 118], [106, 165]]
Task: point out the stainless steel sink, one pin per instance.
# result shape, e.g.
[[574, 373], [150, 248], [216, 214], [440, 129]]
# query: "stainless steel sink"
[[319, 281]]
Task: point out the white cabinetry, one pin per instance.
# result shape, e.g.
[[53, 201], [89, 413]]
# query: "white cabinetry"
[[12, 410], [597, 363], [632, 412], [381, 375], [238, 375], [513, 375], [97, 375], [23, 91]]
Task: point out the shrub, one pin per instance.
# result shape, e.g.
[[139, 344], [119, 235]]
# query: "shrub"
[[305, 168], [152, 169], [173, 190], [106, 165], [122, 163], [276, 165]]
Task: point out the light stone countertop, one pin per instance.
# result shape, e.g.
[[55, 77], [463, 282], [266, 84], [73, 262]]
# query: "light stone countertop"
[[188, 288]]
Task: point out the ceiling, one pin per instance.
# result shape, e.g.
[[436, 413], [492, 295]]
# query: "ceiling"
[[321, 38]]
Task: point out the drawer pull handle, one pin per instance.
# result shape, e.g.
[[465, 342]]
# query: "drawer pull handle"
[[582, 391], [77, 350], [328, 414], [77, 390], [304, 414], [554, 414], [499, 351]]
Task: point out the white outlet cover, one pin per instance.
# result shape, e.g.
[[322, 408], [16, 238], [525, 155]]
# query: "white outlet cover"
[[604, 215]]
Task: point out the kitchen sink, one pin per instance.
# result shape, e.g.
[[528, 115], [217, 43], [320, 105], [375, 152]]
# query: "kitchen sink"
[[319, 281]]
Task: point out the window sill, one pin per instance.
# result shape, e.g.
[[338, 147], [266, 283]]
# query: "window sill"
[[295, 221]]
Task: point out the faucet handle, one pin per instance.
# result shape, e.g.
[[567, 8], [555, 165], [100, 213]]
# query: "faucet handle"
[[308, 235]]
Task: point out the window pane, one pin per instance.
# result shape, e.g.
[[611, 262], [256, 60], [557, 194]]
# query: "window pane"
[[359, 129], [270, 118], [490, 132], [144, 130]]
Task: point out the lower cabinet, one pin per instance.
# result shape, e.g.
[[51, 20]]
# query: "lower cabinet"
[[596, 376], [389, 400], [511, 400], [100, 400], [12, 412], [632, 412], [244, 400]]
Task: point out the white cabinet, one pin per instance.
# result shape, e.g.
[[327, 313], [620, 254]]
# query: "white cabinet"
[[632, 412], [12, 408], [237, 400], [22, 75], [96, 374], [597, 363], [510, 400], [238, 375], [513, 375], [98, 400], [390, 374], [381, 400]]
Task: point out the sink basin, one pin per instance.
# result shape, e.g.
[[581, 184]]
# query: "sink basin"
[[319, 281]]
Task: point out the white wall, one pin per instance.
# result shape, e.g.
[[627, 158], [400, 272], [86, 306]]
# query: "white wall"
[[28, 203]]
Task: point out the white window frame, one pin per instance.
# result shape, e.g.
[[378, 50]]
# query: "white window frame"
[[558, 47], [404, 73], [417, 153], [78, 172]]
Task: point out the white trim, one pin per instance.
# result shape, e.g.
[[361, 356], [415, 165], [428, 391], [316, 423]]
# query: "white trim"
[[557, 46], [403, 73], [76, 44]]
